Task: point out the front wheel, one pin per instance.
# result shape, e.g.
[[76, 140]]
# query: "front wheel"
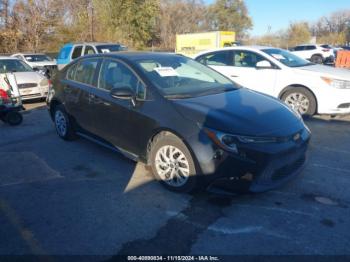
[[63, 125], [301, 100], [172, 163], [13, 118]]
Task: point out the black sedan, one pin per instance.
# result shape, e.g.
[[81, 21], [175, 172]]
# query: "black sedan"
[[192, 125]]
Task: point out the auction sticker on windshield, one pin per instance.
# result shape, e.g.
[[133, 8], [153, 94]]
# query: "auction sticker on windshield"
[[166, 71]]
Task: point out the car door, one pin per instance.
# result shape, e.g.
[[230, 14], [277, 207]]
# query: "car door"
[[240, 67], [246, 73], [121, 121], [302, 51], [78, 88], [220, 61]]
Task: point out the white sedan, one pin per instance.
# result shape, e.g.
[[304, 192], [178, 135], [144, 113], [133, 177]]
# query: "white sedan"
[[306, 87], [31, 84]]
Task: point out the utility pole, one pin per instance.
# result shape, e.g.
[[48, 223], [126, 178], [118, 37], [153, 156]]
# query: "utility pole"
[[91, 14]]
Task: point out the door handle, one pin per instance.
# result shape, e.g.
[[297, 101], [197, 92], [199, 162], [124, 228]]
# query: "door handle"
[[234, 76], [95, 99]]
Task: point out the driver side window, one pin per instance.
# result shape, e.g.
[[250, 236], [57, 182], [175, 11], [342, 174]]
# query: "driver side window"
[[115, 74], [246, 59]]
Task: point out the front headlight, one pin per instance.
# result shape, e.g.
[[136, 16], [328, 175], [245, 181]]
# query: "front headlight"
[[336, 83], [230, 142], [44, 82]]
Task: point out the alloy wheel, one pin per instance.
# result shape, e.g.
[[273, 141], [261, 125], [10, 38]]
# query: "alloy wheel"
[[298, 102], [172, 166], [60, 123]]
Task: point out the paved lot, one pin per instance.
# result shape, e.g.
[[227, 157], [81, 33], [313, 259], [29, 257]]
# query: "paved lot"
[[61, 197]]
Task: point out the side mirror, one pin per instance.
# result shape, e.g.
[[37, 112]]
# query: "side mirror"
[[263, 65], [123, 93]]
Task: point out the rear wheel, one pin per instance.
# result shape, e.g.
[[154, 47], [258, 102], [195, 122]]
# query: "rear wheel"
[[172, 163], [301, 100], [63, 124], [317, 59]]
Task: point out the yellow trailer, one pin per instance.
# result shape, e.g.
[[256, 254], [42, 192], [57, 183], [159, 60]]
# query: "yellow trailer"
[[192, 44]]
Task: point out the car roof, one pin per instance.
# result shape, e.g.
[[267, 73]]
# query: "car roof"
[[8, 58], [29, 54], [242, 47], [91, 43], [133, 56]]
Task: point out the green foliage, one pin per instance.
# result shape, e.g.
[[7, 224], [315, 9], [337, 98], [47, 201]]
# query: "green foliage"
[[230, 15], [298, 33]]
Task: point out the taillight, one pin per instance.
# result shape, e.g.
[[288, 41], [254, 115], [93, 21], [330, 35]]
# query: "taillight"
[[4, 95]]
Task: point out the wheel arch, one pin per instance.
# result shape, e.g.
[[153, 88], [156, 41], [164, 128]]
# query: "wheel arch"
[[53, 104], [290, 87], [158, 132]]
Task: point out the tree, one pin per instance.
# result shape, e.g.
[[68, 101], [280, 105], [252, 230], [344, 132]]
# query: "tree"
[[35, 22], [231, 15], [133, 21], [333, 29], [298, 33], [178, 17]]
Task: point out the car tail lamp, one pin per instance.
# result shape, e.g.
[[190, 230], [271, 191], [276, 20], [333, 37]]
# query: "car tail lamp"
[[4, 97]]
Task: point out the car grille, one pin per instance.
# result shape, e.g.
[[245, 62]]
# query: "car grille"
[[31, 96], [27, 85]]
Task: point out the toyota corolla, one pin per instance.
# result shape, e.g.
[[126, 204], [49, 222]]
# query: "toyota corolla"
[[192, 125]]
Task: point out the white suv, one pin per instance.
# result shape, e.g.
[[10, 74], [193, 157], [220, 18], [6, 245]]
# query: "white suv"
[[314, 53], [306, 87]]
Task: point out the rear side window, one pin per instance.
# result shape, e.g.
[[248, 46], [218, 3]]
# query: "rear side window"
[[299, 48], [222, 58], [85, 71], [310, 47], [77, 52]]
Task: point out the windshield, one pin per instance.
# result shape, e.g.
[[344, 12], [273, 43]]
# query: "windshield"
[[181, 77], [110, 48], [37, 58], [7, 66], [286, 57]]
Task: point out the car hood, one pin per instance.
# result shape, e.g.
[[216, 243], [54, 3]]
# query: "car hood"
[[322, 70], [241, 112], [28, 77]]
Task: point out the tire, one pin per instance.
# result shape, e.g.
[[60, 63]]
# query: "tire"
[[301, 100], [13, 118], [168, 152], [63, 124], [317, 59]]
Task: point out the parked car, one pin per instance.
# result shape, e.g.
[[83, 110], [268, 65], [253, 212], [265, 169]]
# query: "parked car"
[[39, 62], [31, 84], [73, 51], [189, 123], [306, 87], [345, 47], [314, 53]]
